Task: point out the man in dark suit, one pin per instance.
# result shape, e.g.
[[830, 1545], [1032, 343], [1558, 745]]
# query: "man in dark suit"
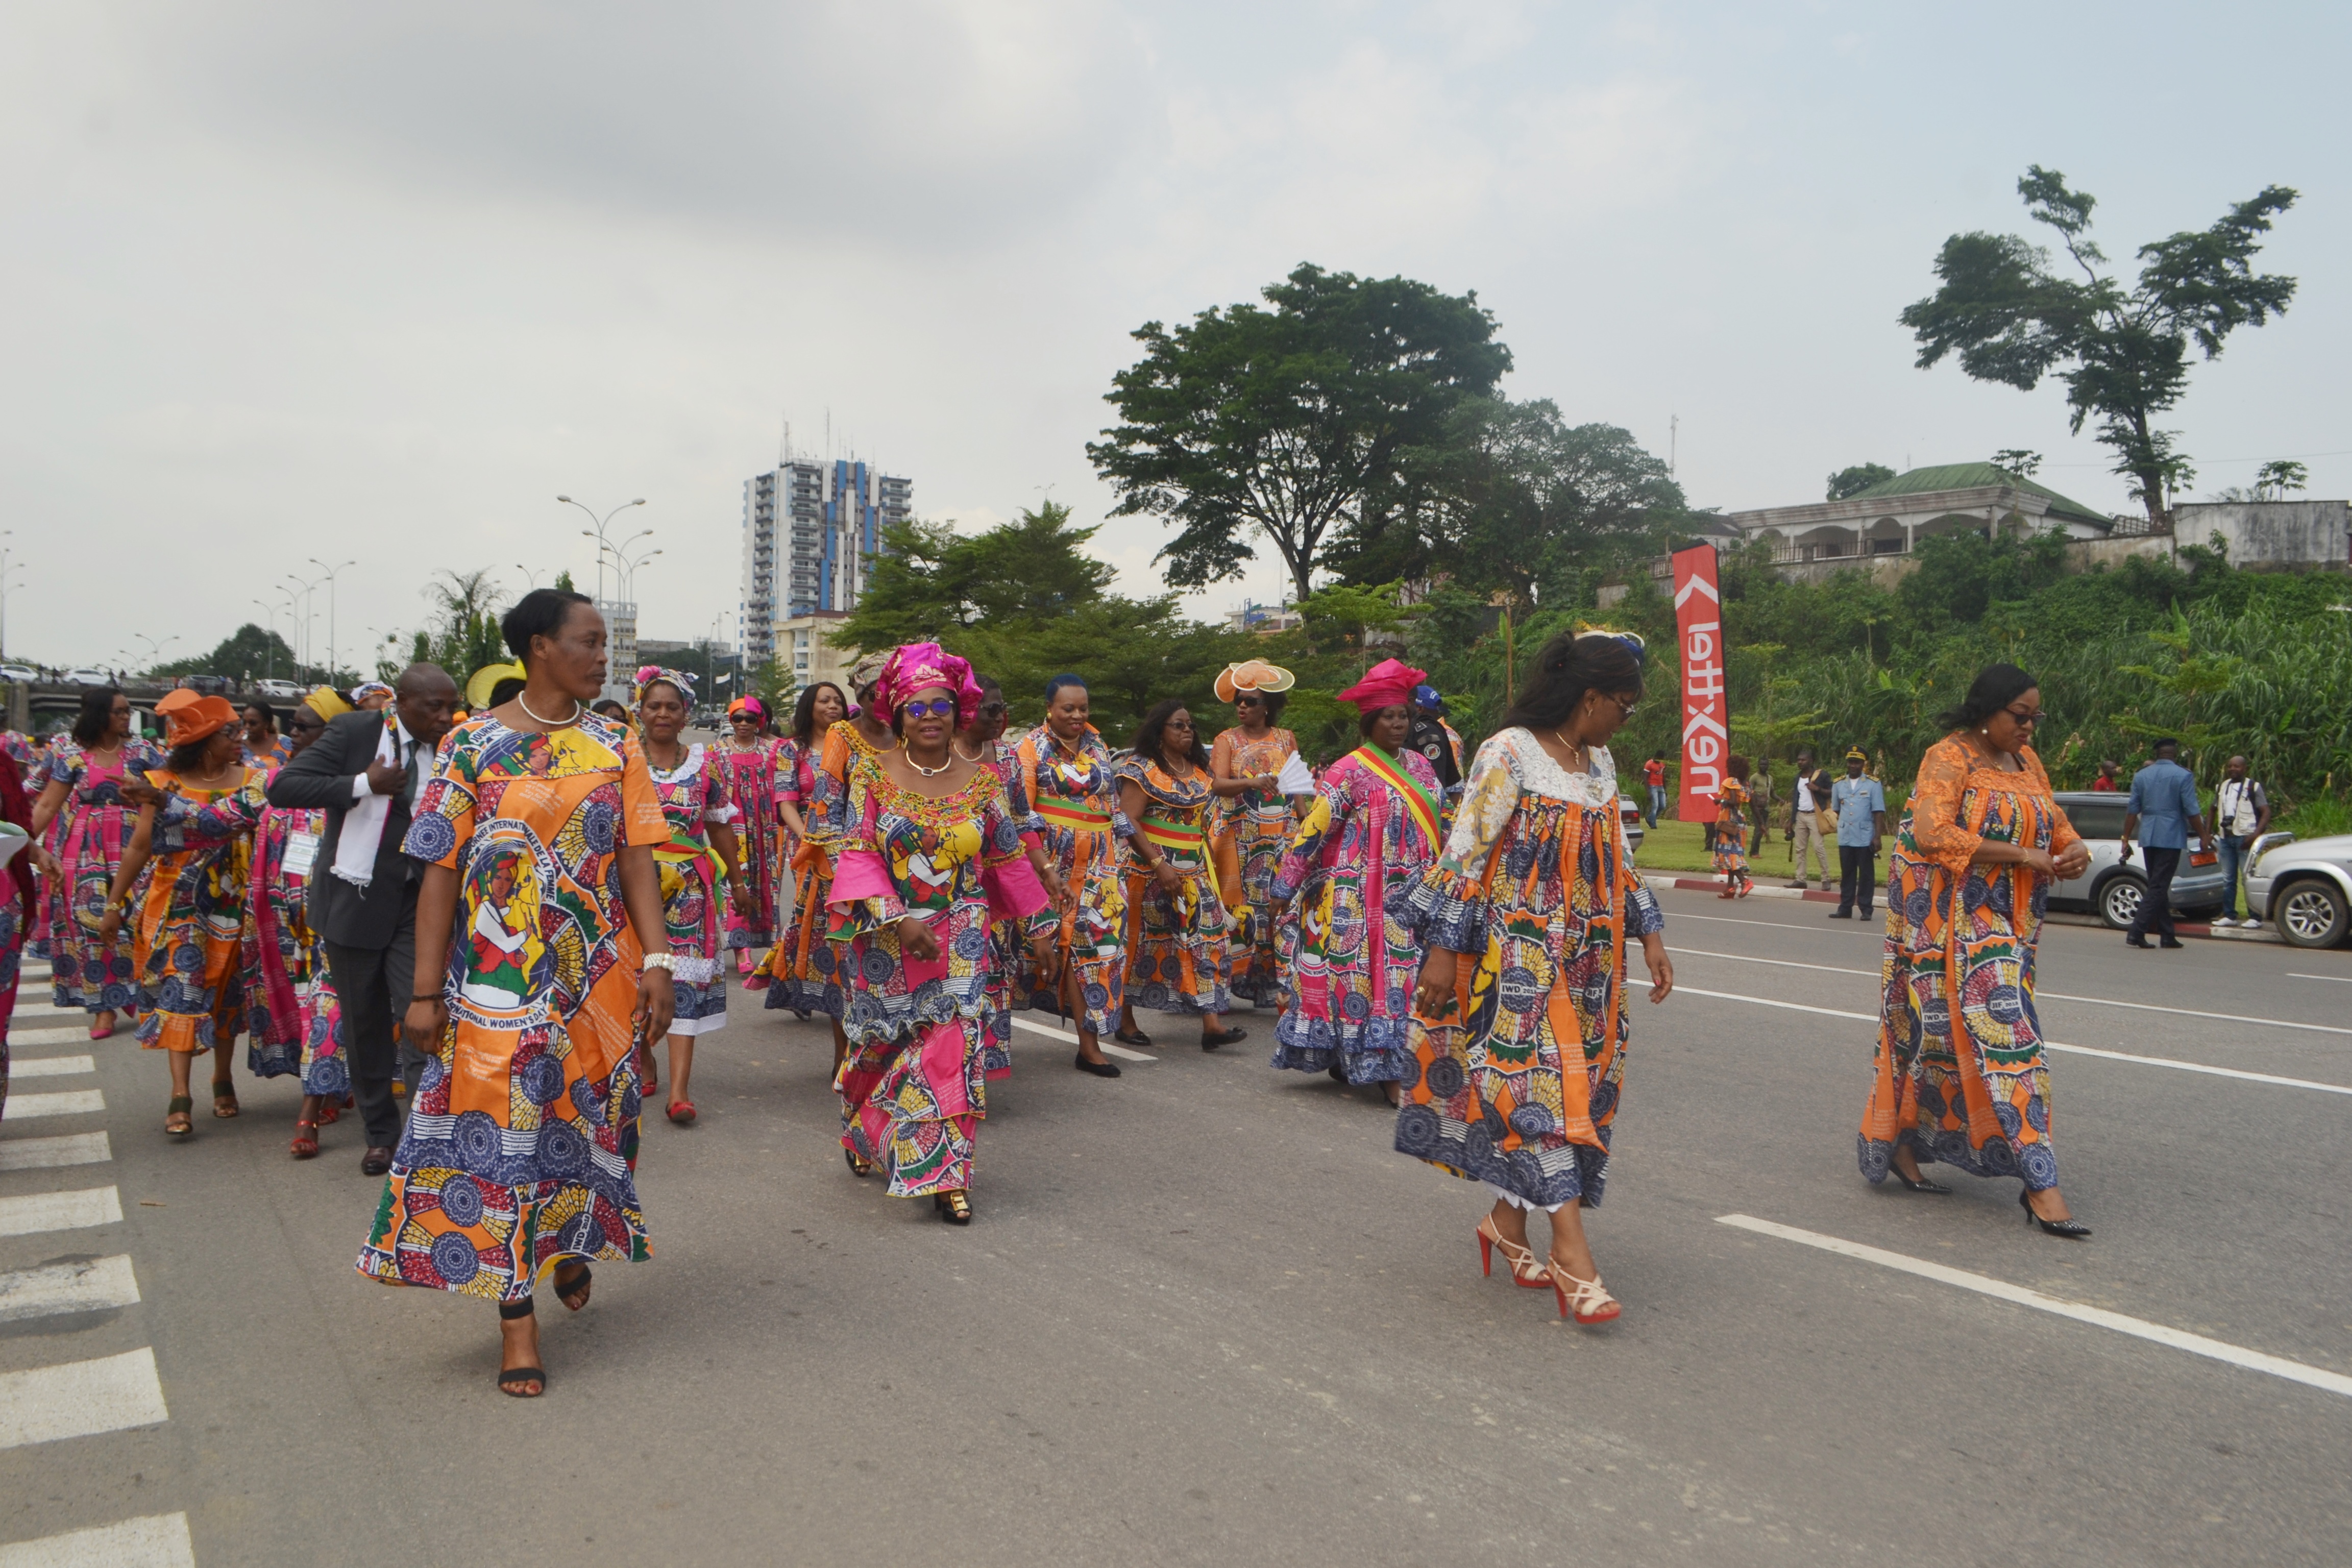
[[364, 906]]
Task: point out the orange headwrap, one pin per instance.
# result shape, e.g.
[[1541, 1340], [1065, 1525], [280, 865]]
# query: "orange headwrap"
[[195, 719]]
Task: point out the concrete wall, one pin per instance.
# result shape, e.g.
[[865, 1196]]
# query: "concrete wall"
[[2273, 533], [2091, 555]]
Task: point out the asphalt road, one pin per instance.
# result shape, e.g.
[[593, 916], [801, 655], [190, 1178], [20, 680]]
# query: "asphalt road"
[[1207, 1316]]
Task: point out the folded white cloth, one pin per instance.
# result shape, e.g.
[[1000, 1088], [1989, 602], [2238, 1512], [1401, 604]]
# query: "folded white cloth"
[[1296, 778], [363, 824]]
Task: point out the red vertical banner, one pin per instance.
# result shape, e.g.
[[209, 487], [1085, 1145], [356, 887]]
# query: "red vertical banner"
[[1707, 714]]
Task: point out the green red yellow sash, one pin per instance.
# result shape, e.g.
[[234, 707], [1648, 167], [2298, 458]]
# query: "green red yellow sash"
[[1419, 803], [1187, 840], [1067, 814]]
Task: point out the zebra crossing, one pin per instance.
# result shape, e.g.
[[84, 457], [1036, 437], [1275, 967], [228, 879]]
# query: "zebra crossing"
[[44, 1400]]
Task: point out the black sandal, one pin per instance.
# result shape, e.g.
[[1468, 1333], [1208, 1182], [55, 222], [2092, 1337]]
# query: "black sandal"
[[513, 1380], [1137, 1038], [574, 1296]]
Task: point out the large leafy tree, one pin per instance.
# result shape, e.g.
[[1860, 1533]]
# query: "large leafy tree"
[[249, 653], [1852, 481], [2122, 350], [931, 579], [1286, 422]]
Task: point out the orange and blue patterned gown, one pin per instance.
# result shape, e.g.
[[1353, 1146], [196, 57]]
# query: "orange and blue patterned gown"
[[1073, 793], [521, 1145], [1371, 832], [1259, 824], [194, 959], [1176, 953], [1959, 1073], [913, 1085], [1517, 1079]]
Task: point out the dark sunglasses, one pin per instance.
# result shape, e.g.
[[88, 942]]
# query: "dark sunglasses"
[[2036, 717], [989, 709], [936, 708]]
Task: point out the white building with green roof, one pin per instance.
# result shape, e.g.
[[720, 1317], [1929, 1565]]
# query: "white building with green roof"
[[1891, 517]]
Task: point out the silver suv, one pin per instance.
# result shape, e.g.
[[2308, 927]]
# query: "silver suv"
[[2304, 889], [2113, 888]]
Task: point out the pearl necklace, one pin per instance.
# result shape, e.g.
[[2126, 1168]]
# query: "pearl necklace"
[[578, 708]]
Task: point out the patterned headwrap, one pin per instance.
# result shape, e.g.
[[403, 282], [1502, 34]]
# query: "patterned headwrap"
[[919, 665], [367, 689], [1384, 685], [1253, 674], [327, 703], [651, 674], [750, 705], [864, 672]]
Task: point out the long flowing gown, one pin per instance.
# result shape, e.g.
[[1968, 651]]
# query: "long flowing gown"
[[191, 946], [750, 775], [803, 971], [693, 795], [1007, 938], [1352, 962], [1959, 1073], [1176, 953], [293, 1021], [1074, 798], [1259, 824], [1517, 1082], [1731, 831], [92, 826], [520, 1150], [913, 1085]]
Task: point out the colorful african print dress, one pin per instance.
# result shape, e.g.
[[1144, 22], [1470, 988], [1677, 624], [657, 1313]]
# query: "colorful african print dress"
[[1731, 833], [693, 796], [191, 920], [1959, 1073], [92, 826], [1515, 1083], [803, 971], [752, 784], [914, 1086], [796, 783], [1074, 801], [1372, 831], [521, 1143], [1007, 938], [293, 1022], [1259, 823], [1176, 959]]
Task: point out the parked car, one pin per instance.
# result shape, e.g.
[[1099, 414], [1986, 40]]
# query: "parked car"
[[2113, 888], [2305, 888], [1630, 815], [18, 673], [278, 688], [89, 678]]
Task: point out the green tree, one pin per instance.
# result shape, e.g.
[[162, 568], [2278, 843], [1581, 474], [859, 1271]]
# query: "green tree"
[[2273, 480], [1852, 481], [2017, 460], [2122, 352], [249, 653], [931, 579], [464, 632], [1290, 423]]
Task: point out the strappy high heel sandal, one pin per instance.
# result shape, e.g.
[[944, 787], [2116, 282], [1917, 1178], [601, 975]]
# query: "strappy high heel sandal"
[[184, 1106], [306, 1140], [1584, 1299], [953, 1206], [1527, 1272]]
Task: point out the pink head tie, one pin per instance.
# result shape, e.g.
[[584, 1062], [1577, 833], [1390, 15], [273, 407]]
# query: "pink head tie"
[[919, 665]]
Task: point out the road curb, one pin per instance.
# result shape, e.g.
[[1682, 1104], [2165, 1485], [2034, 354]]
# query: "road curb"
[[2197, 929]]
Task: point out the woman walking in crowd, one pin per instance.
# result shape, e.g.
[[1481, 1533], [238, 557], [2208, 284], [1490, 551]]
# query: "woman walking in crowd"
[[1372, 831], [1520, 1028], [191, 921], [264, 748], [746, 761], [927, 852], [1731, 830], [81, 788], [1176, 959], [1254, 819], [1074, 792], [803, 970], [700, 811], [1959, 1076], [292, 1018], [539, 834], [818, 710], [981, 743]]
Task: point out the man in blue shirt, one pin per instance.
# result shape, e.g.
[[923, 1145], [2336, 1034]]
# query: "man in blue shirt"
[[1860, 807], [2163, 811]]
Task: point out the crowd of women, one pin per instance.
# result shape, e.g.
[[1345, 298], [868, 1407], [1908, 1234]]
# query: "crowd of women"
[[892, 859]]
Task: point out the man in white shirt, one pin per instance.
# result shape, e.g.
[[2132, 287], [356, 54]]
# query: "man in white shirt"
[[2241, 813], [1810, 795]]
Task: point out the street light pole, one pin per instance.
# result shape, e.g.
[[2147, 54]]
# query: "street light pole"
[[269, 648], [331, 572], [602, 522]]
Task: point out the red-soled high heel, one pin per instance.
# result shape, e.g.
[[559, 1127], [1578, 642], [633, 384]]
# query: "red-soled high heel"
[[1526, 1271], [1583, 1300]]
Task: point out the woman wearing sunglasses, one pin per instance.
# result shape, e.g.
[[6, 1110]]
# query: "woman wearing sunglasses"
[[1959, 1076], [1176, 954], [929, 849]]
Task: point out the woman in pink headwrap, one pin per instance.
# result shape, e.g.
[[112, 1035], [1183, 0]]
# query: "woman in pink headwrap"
[[928, 854], [744, 760]]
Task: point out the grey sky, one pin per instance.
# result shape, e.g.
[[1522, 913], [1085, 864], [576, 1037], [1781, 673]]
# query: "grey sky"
[[378, 282]]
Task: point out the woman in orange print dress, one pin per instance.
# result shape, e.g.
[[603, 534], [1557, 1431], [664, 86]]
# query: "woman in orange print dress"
[[1253, 820], [537, 834], [1731, 830], [1959, 1076]]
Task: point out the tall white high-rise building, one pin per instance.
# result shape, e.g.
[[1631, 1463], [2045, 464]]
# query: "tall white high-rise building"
[[810, 531]]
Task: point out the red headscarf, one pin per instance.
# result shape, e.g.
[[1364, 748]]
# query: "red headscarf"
[[1384, 685]]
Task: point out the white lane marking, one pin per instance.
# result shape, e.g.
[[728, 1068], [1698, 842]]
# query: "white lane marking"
[[2046, 1045], [48, 1015], [1109, 1050], [50, 1067], [2339, 979], [47, 1153], [50, 1037], [68, 1103], [2052, 995], [159, 1541], [1984, 1284], [38, 1212], [81, 1399], [89, 1286]]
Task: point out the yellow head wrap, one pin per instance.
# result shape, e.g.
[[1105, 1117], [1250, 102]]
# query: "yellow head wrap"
[[327, 703]]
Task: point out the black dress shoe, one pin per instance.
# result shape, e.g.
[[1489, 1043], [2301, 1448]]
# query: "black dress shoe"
[[1841, 914], [1100, 1069], [2138, 942], [375, 1162], [2167, 942], [1211, 1042]]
